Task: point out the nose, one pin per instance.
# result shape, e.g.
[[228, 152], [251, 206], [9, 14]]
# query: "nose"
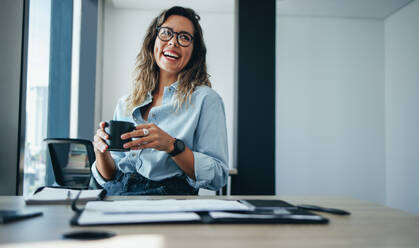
[[173, 40]]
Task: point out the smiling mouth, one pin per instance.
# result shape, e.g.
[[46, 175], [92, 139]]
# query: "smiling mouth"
[[171, 55]]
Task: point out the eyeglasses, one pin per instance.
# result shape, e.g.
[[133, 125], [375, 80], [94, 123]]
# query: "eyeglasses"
[[184, 39]]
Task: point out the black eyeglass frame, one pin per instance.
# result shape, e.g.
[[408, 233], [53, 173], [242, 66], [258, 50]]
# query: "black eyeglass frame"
[[177, 35]]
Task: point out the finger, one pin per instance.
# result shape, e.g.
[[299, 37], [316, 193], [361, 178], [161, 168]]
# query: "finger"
[[135, 134], [100, 145], [98, 140], [128, 135], [148, 125], [103, 124], [103, 147], [102, 134], [139, 142]]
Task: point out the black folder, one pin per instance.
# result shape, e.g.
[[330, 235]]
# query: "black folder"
[[262, 212]]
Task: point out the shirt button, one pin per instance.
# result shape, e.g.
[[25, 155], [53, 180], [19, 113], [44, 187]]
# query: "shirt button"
[[133, 155]]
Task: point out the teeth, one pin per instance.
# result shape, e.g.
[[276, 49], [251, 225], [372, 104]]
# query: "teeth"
[[171, 55]]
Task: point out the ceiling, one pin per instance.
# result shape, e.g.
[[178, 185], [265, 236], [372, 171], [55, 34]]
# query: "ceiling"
[[377, 9], [197, 5]]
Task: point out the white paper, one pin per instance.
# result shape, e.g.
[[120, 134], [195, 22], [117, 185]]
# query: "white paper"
[[95, 218], [221, 215], [165, 206], [62, 194]]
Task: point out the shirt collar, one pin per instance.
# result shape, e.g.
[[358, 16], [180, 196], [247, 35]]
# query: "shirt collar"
[[175, 85], [149, 97], [147, 100]]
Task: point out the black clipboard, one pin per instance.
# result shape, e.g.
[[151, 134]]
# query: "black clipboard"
[[284, 214]]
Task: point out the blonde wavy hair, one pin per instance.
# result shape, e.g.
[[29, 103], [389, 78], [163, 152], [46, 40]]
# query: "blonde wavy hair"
[[146, 73]]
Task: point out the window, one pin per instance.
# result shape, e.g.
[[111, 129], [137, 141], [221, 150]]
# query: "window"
[[37, 94], [52, 73]]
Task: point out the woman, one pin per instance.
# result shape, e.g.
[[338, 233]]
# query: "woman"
[[180, 141]]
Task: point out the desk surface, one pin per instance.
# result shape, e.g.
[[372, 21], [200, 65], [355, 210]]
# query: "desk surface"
[[370, 225]]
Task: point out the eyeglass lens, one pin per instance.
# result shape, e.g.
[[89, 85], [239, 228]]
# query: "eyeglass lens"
[[183, 38]]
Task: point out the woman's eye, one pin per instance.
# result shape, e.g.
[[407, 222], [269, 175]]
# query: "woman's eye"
[[166, 32], [184, 37]]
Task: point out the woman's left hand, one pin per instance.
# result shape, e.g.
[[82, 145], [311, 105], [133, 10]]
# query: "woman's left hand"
[[149, 136]]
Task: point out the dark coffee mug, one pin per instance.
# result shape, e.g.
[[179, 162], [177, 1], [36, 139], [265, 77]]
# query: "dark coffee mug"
[[115, 129]]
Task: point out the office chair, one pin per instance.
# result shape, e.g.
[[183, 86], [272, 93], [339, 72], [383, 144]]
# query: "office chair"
[[71, 160]]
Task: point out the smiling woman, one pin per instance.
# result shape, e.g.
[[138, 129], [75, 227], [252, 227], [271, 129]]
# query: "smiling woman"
[[191, 58], [180, 140], [171, 57]]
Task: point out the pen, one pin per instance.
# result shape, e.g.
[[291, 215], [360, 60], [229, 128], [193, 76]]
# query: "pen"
[[323, 209]]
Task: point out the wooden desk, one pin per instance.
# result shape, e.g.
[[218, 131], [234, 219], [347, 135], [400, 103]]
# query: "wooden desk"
[[370, 225]]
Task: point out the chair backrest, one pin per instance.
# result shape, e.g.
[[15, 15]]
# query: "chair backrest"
[[71, 160]]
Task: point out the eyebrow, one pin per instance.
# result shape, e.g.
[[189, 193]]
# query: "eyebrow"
[[182, 31]]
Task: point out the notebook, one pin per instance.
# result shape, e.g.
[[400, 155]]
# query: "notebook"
[[62, 195]]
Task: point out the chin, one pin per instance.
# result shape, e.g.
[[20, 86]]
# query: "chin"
[[170, 70]]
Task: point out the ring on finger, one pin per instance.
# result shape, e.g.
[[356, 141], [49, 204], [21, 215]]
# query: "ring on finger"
[[145, 131]]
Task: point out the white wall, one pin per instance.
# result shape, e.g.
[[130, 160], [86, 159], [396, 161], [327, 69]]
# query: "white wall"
[[330, 107], [402, 104], [124, 30]]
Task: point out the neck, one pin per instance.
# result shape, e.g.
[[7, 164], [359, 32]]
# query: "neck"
[[166, 79]]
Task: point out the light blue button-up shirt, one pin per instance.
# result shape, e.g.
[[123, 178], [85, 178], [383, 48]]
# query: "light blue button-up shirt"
[[201, 125]]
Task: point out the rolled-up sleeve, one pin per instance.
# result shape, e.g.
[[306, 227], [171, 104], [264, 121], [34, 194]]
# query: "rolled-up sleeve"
[[117, 156], [210, 146]]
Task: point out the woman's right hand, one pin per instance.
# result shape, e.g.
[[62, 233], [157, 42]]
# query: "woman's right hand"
[[99, 143], [104, 162]]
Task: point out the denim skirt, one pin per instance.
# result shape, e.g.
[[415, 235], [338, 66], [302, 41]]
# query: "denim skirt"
[[136, 184]]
